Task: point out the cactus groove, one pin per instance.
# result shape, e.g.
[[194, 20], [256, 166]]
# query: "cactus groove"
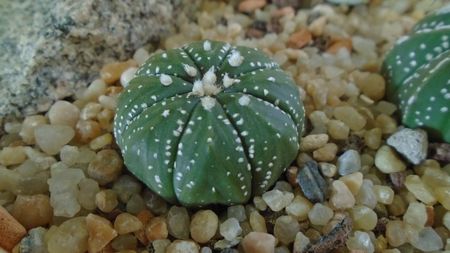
[[209, 123], [417, 71]]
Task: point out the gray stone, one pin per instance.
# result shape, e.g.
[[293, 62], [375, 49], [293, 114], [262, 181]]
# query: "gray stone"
[[349, 162], [411, 143], [53, 48]]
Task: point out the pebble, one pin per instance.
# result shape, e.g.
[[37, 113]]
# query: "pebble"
[[94, 90], [63, 187], [300, 243], [101, 232], [366, 196], [313, 142], [338, 130], [86, 196], [230, 229], [28, 126], [277, 200], [327, 153], [106, 200], [87, 130], [411, 143], [395, 233], [154, 202], [257, 222], [51, 138], [317, 26], [283, 186], [206, 250], [70, 237], [11, 231], [371, 84], [386, 123], [259, 203], [286, 228], [299, 208], [373, 138], [111, 72], [127, 223], [101, 141], [349, 162], [204, 225], [126, 186], [34, 242], [251, 5], [353, 182], [311, 182], [12, 155], [90, 111], [63, 113], [350, 116], [337, 45], [181, 246], [341, 196], [258, 242], [32, 210], [156, 229], [238, 212], [364, 218], [446, 220], [328, 169], [178, 222], [135, 204], [387, 160], [106, 166], [427, 240], [384, 194], [124, 242], [69, 155], [320, 214], [360, 241], [420, 190], [416, 215], [160, 246], [300, 38]]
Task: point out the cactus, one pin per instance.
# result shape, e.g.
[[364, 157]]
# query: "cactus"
[[209, 123], [418, 76]]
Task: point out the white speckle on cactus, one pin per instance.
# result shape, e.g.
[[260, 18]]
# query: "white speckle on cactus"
[[165, 113], [272, 79], [208, 102], [191, 71], [444, 109], [206, 45], [244, 100], [157, 179], [166, 80], [164, 55], [235, 59]]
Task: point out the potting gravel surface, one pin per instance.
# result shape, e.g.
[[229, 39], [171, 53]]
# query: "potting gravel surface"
[[358, 184]]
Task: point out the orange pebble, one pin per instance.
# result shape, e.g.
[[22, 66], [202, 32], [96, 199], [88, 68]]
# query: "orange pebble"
[[338, 44], [110, 73], [11, 231], [300, 39]]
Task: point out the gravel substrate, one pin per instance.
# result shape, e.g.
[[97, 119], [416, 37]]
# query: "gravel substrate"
[[359, 183]]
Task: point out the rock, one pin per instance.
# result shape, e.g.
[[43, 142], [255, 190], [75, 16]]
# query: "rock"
[[179, 246], [204, 225], [230, 229], [156, 229], [427, 240], [88, 190], [350, 116], [286, 228], [251, 5], [360, 241], [300, 38], [33, 210], [237, 212], [257, 222], [63, 113], [106, 200], [328, 169], [366, 196], [34, 242], [126, 186], [70, 237], [416, 214], [51, 138], [349, 162], [11, 231], [178, 222], [420, 190], [300, 243], [320, 214], [313, 185], [124, 242], [341, 196], [106, 166], [160, 246], [411, 143], [257, 242], [101, 232], [277, 200], [363, 218], [440, 152], [126, 223], [313, 142], [299, 208], [42, 41], [353, 182], [12, 155]]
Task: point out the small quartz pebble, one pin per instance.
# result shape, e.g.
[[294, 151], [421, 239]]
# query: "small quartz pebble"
[[312, 183], [105, 167], [32, 210], [427, 240], [204, 225], [69, 237], [237, 211], [349, 162], [251, 5], [353, 182], [12, 155], [350, 116], [341, 196], [338, 130], [299, 208], [360, 241], [328, 169], [230, 229], [156, 229], [34, 242], [416, 215], [277, 200], [63, 113], [313, 142], [366, 196], [300, 242], [286, 228], [124, 243], [181, 246], [363, 217], [384, 194], [420, 190], [327, 153], [411, 143], [11, 231], [106, 200], [178, 222], [101, 232], [300, 38], [126, 223], [257, 222], [257, 242], [395, 233], [160, 246], [320, 214], [51, 138]]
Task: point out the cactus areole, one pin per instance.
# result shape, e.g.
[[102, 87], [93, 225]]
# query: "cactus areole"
[[209, 123], [418, 73]]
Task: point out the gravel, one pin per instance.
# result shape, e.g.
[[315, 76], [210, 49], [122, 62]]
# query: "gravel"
[[68, 166]]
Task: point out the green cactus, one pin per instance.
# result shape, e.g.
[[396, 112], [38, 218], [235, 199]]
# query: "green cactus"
[[417, 70], [209, 123]]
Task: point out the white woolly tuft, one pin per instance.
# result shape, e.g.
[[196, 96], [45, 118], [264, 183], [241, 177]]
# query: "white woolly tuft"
[[208, 102], [197, 89], [207, 45], [227, 81], [235, 59], [209, 78]]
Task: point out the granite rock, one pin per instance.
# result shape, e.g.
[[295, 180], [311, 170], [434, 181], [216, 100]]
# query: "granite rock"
[[411, 143], [53, 48]]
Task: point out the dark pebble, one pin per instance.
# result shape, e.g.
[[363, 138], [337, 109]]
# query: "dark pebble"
[[313, 185], [440, 152]]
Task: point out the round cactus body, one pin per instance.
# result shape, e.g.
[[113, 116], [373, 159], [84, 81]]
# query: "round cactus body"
[[209, 123], [418, 73]]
